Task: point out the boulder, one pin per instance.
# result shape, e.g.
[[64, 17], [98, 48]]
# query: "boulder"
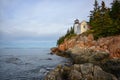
[[85, 71], [86, 55], [54, 50]]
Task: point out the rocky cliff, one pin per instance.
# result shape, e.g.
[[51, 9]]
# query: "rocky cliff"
[[92, 59], [110, 45]]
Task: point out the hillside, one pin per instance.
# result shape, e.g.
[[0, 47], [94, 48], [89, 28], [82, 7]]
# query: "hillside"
[[110, 44]]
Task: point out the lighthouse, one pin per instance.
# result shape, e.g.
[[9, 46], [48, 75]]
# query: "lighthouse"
[[80, 27]]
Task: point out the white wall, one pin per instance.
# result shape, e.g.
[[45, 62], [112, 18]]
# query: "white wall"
[[77, 28], [84, 26]]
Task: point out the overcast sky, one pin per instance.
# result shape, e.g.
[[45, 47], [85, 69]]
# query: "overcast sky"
[[41, 20]]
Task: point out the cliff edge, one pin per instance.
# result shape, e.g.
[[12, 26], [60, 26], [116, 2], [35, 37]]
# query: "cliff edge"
[[110, 44], [103, 54]]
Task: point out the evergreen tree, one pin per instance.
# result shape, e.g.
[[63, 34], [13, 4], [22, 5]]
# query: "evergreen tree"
[[115, 10], [93, 13], [115, 15]]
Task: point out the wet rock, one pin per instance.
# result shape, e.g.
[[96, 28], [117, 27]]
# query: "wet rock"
[[85, 71], [49, 59], [42, 70]]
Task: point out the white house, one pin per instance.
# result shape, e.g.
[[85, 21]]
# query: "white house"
[[80, 27]]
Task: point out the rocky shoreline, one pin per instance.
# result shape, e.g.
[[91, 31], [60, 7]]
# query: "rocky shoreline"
[[87, 64]]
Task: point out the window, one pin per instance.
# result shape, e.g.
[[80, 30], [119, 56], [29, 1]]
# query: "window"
[[83, 26]]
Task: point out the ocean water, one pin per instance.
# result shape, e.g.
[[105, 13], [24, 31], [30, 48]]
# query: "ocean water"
[[27, 63]]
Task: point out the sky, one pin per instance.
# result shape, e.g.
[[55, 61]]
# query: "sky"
[[41, 20]]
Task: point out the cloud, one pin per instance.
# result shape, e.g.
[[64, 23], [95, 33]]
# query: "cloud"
[[41, 18]]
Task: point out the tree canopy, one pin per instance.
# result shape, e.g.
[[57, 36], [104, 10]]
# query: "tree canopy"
[[105, 21]]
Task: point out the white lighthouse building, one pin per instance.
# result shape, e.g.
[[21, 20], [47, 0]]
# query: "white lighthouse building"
[[80, 27]]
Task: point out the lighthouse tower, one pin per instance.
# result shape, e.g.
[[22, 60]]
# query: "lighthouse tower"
[[76, 27]]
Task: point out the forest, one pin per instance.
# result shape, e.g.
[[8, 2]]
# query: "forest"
[[104, 21]]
